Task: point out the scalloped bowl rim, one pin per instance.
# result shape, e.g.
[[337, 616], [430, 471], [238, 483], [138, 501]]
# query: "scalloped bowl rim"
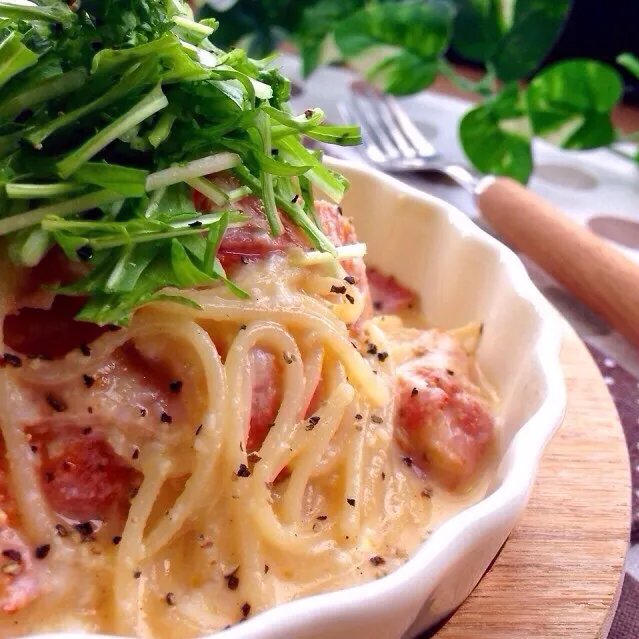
[[454, 536]]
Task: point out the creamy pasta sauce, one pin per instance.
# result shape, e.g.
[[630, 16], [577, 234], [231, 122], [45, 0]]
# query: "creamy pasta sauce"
[[210, 461]]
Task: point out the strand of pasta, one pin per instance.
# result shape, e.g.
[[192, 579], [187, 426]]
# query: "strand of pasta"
[[375, 474], [293, 537], [317, 441], [313, 362], [360, 374], [207, 444], [24, 476], [333, 456], [378, 441], [348, 309], [128, 613], [237, 368], [333, 376], [350, 514], [249, 543]]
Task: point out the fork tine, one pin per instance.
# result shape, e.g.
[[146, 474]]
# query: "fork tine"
[[369, 149], [379, 105], [410, 131], [376, 131]]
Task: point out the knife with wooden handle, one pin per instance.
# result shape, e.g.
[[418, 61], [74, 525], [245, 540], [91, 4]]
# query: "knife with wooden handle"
[[593, 271]]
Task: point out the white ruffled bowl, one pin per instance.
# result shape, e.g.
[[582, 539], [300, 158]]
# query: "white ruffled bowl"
[[462, 275]]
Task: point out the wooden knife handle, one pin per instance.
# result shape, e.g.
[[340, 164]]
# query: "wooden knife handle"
[[593, 271]]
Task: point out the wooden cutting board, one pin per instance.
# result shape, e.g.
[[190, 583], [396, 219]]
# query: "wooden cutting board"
[[559, 573]]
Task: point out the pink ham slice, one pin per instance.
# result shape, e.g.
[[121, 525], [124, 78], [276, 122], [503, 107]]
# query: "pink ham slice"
[[444, 428], [266, 396], [252, 241], [83, 478], [443, 423], [387, 294]]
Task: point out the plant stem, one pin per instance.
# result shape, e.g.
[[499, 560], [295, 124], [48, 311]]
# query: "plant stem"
[[130, 81], [14, 57], [483, 86], [194, 169], [270, 208], [150, 104], [15, 11], [61, 209], [38, 191]]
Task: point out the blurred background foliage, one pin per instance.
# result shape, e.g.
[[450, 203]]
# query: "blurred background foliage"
[[551, 68]]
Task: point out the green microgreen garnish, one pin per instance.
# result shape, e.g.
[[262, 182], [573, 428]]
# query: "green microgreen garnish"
[[111, 114]]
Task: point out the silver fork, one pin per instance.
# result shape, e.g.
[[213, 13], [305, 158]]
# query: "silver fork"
[[391, 141], [594, 271]]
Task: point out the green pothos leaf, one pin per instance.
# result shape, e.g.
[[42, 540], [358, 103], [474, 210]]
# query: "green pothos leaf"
[[535, 26], [495, 135], [401, 41], [570, 103], [511, 36], [313, 34], [479, 25]]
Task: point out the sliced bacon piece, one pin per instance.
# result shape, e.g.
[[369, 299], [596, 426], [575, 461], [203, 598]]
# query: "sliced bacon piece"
[[51, 332], [266, 394], [128, 392], [40, 322], [336, 227], [387, 294], [340, 231], [82, 476], [132, 388], [443, 423], [54, 269], [201, 203], [19, 582], [253, 241]]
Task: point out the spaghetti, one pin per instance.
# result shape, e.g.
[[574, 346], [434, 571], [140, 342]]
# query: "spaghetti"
[[216, 531]]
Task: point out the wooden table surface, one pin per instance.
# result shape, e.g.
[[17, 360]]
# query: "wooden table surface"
[[559, 573]]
